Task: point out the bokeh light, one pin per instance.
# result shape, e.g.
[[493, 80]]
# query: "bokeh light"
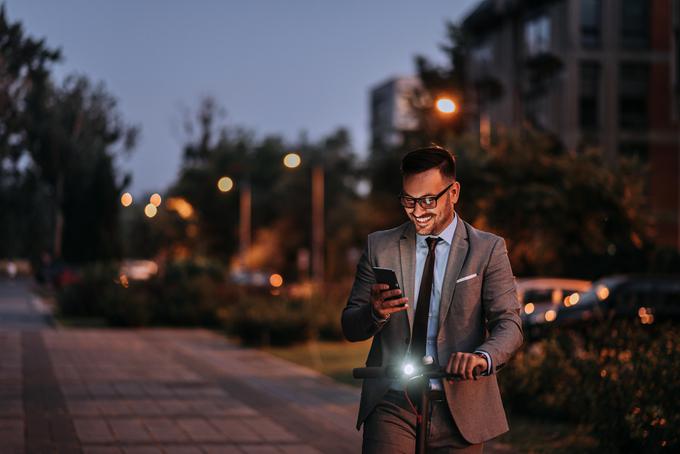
[[292, 160], [276, 280], [446, 105], [150, 210], [155, 199], [126, 199], [550, 315], [225, 184]]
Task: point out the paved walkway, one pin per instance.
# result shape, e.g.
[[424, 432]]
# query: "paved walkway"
[[157, 391], [172, 391]]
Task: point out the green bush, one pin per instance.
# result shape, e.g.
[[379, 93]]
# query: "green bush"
[[621, 379], [188, 294], [184, 294], [268, 320], [127, 306], [86, 297]]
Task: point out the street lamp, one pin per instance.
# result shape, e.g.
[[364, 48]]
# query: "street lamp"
[[126, 199], [292, 160], [225, 184], [318, 229], [155, 200], [446, 105]]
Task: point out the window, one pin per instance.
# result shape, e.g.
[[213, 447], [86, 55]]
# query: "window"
[[634, 24], [537, 35], [591, 23], [589, 93], [633, 92]]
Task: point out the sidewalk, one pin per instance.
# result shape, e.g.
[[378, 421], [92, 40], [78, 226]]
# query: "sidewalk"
[[157, 391], [171, 391], [151, 391]]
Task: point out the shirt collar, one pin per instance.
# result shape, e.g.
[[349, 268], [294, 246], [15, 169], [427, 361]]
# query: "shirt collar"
[[447, 233]]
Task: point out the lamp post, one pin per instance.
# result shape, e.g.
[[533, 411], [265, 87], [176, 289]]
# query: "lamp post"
[[318, 228], [245, 214], [293, 160], [446, 108], [226, 184]]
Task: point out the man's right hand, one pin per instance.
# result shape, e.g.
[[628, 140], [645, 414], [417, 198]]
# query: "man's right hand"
[[383, 307]]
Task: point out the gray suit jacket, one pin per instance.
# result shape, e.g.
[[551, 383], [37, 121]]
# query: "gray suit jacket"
[[481, 313]]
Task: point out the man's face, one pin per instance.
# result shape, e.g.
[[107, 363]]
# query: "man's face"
[[431, 221]]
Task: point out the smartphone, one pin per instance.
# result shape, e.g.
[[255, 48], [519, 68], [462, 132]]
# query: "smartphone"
[[389, 277]]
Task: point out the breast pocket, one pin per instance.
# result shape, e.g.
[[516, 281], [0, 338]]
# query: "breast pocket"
[[467, 295]]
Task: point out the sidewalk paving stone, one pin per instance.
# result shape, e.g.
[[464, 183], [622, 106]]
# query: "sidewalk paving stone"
[[201, 430]]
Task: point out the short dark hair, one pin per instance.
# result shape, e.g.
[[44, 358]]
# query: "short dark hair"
[[427, 158]]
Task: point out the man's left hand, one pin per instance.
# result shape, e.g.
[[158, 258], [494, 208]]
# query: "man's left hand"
[[466, 366]]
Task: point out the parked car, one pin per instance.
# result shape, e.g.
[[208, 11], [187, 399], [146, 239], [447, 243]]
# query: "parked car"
[[542, 297], [648, 298]]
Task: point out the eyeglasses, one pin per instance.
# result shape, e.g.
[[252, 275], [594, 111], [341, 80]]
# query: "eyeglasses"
[[426, 203]]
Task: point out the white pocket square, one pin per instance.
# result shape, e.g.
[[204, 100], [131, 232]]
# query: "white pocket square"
[[466, 278]]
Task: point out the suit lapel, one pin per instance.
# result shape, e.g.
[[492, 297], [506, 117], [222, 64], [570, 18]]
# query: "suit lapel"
[[454, 265], [407, 256]]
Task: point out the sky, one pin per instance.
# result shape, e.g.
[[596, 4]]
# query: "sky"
[[277, 67]]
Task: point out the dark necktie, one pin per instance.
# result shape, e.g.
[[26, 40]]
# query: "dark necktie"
[[423, 305]]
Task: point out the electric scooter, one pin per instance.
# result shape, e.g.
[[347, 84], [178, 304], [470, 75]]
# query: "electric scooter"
[[410, 375]]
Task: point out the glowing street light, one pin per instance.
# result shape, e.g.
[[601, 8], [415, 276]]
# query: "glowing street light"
[[292, 160], [150, 210], [155, 199], [225, 184], [126, 199], [276, 280], [446, 105]]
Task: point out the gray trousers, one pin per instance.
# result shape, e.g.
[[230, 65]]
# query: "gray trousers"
[[391, 429]]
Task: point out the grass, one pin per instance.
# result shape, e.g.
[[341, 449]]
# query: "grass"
[[334, 359], [527, 434]]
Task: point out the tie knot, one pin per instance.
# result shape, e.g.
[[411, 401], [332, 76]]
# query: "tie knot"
[[432, 242]]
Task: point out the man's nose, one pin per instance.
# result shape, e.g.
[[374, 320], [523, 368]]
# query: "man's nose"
[[418, 210]]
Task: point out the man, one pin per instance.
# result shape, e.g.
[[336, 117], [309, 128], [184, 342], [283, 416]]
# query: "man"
[[470, 323]]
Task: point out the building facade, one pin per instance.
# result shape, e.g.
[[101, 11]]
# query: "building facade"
[[392, 112], [597, 73]]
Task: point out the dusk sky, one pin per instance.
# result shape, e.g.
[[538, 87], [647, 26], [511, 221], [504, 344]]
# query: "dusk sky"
[[277, 67]]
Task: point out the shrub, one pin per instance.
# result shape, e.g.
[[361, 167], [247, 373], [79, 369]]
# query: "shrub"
[[621, 379], [186, 294], [264, 320], [85, 297]]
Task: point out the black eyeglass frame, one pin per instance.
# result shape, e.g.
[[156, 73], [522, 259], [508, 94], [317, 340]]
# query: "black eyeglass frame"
[[421, 200]]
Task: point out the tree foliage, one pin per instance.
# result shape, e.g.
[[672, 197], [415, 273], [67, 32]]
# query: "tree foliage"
[[58, 149], [281, 197]]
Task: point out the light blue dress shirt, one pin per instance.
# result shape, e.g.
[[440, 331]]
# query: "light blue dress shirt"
[[441, 259]]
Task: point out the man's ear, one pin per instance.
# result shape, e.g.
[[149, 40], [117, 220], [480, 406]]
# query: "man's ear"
[[456, 191]]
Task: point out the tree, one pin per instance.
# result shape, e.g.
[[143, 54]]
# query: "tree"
[[281, 201], [25, 65], [74, 135], [561, 213]]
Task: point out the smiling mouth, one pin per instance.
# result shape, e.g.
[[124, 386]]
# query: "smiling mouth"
[[423, 220]]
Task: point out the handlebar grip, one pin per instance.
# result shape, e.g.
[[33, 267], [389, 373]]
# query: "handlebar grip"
[[368, 372]]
